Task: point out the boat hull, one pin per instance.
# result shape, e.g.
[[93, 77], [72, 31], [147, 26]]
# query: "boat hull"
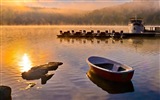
[[110, 86], [117, 77]]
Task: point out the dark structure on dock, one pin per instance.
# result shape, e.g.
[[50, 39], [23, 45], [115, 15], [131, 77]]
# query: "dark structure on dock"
[[106, 34], [136, 29]]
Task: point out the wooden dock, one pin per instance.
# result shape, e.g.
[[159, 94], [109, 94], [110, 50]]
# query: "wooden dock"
[[106, 34]]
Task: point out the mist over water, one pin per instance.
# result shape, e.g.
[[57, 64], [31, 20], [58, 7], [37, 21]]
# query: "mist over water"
[[117, 14], [70, 82]]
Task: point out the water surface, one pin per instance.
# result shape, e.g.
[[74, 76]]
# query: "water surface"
[[70, 81]]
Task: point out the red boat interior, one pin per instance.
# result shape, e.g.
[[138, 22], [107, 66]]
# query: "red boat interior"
[[111, 67]]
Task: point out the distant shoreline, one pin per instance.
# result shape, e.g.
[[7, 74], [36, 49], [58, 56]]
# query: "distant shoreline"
[[72, 25]]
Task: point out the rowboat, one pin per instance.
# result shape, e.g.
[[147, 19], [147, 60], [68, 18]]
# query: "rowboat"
[[110, 86], [109, 69]]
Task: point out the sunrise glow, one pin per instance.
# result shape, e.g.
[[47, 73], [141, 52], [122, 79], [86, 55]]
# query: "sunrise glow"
[[25, 63], [17, 2], [65, 4]]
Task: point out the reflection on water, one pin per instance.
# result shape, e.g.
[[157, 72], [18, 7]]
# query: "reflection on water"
[[89, 40], [41, 71], [109, 86], [134, 41], [30, 85], [25, 63], [139, 44], [43, 78], [39, 45]]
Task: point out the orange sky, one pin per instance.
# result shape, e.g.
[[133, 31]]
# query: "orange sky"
[[70, 4]]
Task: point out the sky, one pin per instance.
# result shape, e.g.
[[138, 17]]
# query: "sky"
[[70, 4], [67, 4]]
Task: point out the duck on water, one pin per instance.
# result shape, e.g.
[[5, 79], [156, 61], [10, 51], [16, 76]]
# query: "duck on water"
[[136, 29]]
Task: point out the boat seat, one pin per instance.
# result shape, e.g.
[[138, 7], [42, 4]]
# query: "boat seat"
[[115, 67]]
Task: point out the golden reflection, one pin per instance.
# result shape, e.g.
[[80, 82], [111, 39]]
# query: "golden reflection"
[[130, 40], [25, 63]]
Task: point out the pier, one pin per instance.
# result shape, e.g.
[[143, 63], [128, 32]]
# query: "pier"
[[152, 32], [135, 26]]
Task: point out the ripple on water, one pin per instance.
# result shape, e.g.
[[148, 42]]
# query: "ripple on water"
[[70, 81]]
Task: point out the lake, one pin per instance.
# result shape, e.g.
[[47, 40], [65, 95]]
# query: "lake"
[[39, 44]]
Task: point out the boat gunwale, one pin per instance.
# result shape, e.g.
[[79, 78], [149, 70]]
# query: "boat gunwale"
[[107, 70]]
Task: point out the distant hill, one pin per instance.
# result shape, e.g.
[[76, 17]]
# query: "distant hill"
[[115, 15], [149, 11], [20, 15]]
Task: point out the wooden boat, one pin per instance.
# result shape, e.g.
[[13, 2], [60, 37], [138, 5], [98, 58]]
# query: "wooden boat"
[[109, 69], [110, 86]]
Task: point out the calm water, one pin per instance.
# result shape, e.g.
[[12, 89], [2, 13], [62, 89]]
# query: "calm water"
[[70, 81]]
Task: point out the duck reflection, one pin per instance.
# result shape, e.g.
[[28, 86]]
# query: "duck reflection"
[[109, 86], [135, 41], [89, 40]]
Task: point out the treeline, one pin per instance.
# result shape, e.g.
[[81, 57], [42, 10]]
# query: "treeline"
[[117, 15], [121, 14]]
